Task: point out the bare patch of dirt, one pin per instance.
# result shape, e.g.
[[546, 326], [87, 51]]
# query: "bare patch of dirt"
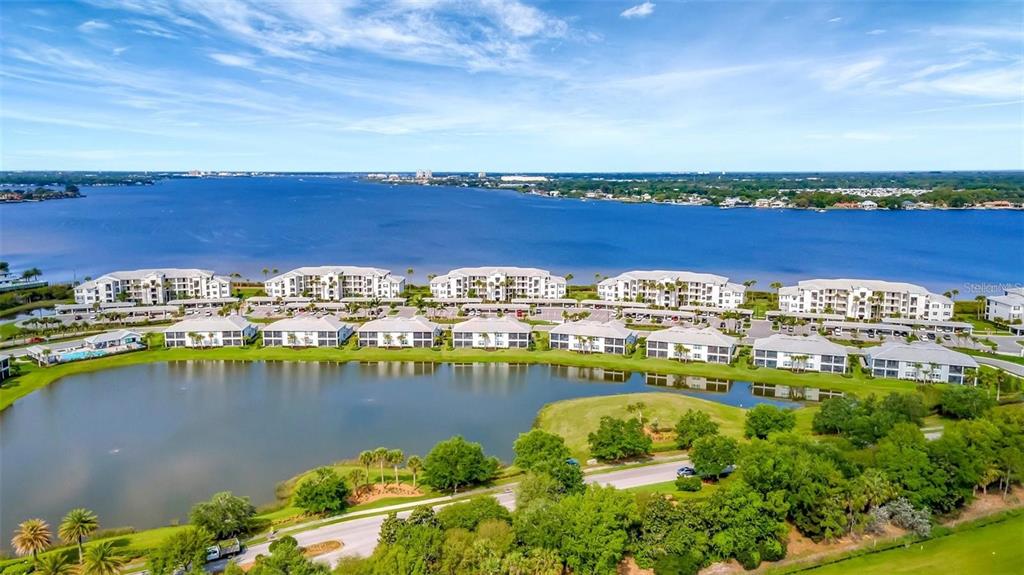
[[321, 548], [371, 493], [987, 504], [628, 566]]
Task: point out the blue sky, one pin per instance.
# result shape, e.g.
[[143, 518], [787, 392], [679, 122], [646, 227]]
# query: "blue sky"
[[512, 85]]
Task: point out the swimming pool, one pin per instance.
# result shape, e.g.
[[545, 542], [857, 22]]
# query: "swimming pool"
[[82, 354]]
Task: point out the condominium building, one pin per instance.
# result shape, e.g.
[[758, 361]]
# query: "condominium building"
[[691, 344], [919, 361], [416, 331], [307, 331], [332, 283], [800, 353], [153, 286], [491, 333], [592, 336], [673, 289], [864, 299], [501, 283], [5, 366], [1007, 308], [216, 331]]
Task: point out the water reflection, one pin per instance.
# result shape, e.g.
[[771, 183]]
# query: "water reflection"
[[725, 386], [597, 374]]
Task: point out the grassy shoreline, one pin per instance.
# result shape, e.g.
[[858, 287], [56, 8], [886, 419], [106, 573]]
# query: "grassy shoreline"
[[33, 379]]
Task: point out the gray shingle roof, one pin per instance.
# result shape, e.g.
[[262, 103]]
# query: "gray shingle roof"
[[799, 344], [591, 328], [492, 325], [213, 323], [919, 352], [693, 336], [399, 324], [307, 323]]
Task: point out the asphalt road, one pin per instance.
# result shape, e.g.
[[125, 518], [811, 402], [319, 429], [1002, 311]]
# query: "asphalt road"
[[1014, 368], [359, 536]]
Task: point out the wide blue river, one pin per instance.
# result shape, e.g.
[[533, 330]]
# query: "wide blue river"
[[247, 224]]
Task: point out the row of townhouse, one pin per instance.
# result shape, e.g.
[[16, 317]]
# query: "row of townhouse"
[[498, 283], [328, 331], [917, 361], [333, 283], [864, 299], [673, 289], [153, 286]]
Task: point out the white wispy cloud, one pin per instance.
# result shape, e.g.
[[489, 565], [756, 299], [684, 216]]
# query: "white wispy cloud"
[[639, 11], [478, 35], [233, 60], [836, 19], [876, 32], [93, 26], [849, 75], [1000, 83]]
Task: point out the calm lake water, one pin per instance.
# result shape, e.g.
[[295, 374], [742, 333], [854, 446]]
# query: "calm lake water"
[[246, 224], [141, 444]]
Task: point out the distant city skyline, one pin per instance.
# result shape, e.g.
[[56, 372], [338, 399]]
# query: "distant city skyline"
[[512, 86]]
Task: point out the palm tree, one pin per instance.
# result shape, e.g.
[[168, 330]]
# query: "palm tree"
[[32, 536], [395, 458], [53, 564], [638, 407], [31, 273], [409, 271], [776, 286], [102, 559], [380, 456], [366, 459], [76, 526], [414, 464]]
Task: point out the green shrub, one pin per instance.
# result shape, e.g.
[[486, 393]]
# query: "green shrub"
[[690, 484]]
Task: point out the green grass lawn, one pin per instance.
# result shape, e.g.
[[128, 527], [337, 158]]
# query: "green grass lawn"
[[573, 419], [34, 379], [990, 549], [8, 331]]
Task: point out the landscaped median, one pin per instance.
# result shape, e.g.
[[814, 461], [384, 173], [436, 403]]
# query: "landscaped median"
[[33, 378]]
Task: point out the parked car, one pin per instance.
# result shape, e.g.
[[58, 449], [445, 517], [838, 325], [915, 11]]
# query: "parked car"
[[686, 471]]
